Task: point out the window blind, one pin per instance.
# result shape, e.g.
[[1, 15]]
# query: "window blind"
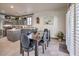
[[70, 30], [77, 30]]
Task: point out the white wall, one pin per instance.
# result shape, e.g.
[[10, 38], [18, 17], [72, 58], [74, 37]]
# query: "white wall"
[[59, 21]]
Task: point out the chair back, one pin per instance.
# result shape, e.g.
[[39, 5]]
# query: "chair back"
[[25, 41], [44, 36], [49, 35]]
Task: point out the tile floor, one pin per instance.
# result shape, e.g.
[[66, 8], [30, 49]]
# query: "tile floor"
[[8, 48]]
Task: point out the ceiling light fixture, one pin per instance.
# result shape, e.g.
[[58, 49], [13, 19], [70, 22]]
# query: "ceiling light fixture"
[[11, 6]]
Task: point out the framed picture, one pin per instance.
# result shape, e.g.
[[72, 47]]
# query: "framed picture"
[[49, 20], [37, 20]]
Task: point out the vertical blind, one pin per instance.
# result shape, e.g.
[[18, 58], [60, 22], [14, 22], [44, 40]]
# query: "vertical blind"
[[77, 30], [70, 30]]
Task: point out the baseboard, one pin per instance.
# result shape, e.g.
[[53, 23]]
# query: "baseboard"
[[53, 38], [56, 38]]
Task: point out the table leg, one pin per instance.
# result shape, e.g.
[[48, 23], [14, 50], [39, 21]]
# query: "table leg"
[[20, 47], [36, 48]]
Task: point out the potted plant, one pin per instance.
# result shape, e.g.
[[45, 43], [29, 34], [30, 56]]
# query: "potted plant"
[[60, 36]]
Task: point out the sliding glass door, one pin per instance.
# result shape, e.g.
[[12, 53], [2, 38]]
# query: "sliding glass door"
[[77, 29], [70, 30]]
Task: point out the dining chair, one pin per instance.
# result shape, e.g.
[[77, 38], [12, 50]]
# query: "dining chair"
[[49, 35], [48, 38], [43, 41], [26, 45]]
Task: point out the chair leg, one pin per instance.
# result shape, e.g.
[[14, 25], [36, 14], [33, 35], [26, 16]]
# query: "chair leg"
[[20, 48], [28, 53], [47, 43], [22, 52], [43, 48]]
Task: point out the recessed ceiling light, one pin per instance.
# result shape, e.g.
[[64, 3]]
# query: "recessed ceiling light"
[[11, 6]]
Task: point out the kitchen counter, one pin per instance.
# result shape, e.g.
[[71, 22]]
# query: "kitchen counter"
[[13, 34]]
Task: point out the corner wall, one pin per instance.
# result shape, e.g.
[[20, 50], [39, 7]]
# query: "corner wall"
[[58, 25]]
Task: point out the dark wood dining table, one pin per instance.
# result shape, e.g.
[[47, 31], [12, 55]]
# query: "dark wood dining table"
[[36, 37]]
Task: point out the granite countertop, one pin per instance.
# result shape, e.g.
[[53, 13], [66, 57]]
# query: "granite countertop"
[[14, 29]]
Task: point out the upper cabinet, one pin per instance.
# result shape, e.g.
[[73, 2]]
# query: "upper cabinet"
[[2, 16], [24, 20]]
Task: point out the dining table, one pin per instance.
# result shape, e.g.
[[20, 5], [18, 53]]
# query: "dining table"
[[36, 38]]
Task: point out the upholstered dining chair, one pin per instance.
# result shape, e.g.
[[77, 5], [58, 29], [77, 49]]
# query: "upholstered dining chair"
[[48, 37], [43, 41], [25, 43]]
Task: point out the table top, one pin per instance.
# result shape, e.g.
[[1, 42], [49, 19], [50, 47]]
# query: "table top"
[[35, 36]]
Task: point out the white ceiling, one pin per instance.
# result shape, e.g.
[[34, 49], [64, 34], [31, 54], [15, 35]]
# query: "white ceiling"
[[28, 8]]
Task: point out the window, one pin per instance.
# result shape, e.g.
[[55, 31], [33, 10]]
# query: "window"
[[29, 21]]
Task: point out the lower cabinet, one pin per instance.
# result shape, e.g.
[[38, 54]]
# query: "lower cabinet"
[[1, 33]]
